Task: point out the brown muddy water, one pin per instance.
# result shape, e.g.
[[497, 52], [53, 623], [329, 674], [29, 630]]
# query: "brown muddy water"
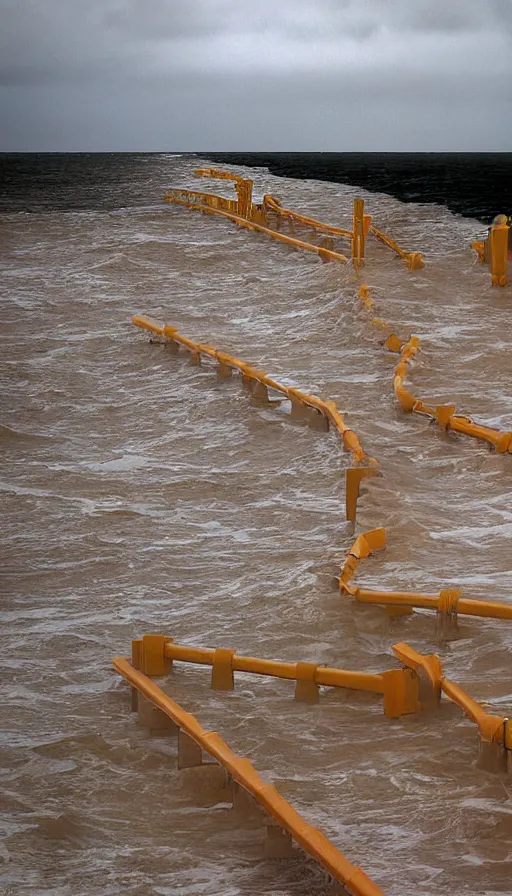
[[141, 493]]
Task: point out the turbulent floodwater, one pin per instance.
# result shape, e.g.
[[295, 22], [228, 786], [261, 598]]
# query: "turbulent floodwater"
[[141, 493]]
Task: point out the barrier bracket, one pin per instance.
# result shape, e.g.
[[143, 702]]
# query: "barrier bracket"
[[306, 689], [222, 670]]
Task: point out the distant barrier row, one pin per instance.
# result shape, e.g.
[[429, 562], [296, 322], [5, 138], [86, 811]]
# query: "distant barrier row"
[[247, 213], [158, 712], [261, 216]]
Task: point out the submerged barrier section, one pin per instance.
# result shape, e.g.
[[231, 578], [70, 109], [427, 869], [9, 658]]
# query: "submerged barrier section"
[[496, 250], [447, 605], [414, 260], [495, 731], [256, 216], [323, 253], [157, 711], [155, 655], [273, 205], [443, 414]]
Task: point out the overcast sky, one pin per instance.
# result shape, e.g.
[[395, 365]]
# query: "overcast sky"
[[332, 75]]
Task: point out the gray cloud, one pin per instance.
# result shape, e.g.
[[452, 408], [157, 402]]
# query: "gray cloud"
[[427, 70]]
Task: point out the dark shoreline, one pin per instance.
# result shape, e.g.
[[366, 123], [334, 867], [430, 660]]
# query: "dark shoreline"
[[474, 185]]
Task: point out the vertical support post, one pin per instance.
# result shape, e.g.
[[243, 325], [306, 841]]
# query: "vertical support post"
[[222, 670], [150, 716], [244, 191], [492, 757], [260, 393], [153, 660], [498, 239], [401, 692], [318, 421], [190, 753], [358, 232], [353, 478], [278, 844], [242, 800], [306, 688]]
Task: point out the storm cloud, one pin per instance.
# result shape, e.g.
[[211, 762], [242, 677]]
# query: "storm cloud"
[[184, 75]]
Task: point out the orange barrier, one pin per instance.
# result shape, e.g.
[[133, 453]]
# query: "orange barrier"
[[193, 739], [443, 414], [218, 174], [210, 200], [448, 604], [479, 247], [498, 249], [320, 414], [155, 654], [254, 217], [495, 731], [323, 253], [353, 478], [414, 260], [495, 250], [272, 204]]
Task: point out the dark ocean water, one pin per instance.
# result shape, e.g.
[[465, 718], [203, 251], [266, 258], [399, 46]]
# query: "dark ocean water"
[[476, 185], [76, 181]]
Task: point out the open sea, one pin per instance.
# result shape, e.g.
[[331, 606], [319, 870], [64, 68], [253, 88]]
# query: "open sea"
[[140, 493]]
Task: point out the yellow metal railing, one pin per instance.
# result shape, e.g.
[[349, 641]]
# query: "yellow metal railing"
[[317, 413], [443, 414], [191, 735], [420, 682], [496, 250], [155, 655], [254, 217], [448, 604], [495, 731]]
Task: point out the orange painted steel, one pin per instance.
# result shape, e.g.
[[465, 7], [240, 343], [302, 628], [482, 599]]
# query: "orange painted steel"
[[493, 729], [414, 260], [487, 609], [353, 478], [327, 409], [272, 204], [448, 602], [323, 675], [218, 174], [364, 545], [251, 216], [309, 838], [154, 655], [358, 233], [324, 254], [210, 200], [498, 252], [443, 414]]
